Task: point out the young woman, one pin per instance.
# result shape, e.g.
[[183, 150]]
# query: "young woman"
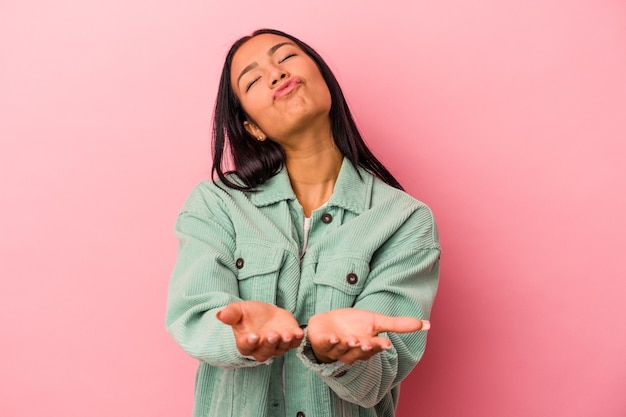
[[305, 274]]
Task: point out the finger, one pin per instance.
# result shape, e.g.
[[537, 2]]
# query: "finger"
[[352, 342], [272, 339], [341, 348], [248, 344], [398, 324], [295, 343], [323, 342], [375, 344], [366, 349], [380, 343], [283, 346], [289, 340], [231, 314], [288, 336], [261, 348], [269, 347], [298, 333], [366, 345]]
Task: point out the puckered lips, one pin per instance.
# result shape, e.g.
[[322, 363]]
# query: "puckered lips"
[[286, 87]]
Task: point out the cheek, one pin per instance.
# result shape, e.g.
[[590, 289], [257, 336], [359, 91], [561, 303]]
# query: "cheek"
[[254, 106], [328, 97], [322, 91], [323, 94]]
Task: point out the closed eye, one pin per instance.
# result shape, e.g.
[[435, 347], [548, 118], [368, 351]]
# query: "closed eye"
[[252, 83], [286, 58]]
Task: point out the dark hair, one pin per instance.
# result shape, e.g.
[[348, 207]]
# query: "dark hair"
[[255, 162]]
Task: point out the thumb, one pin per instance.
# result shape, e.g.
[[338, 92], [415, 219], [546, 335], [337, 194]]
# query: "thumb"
[[399, 324], [231, 314]]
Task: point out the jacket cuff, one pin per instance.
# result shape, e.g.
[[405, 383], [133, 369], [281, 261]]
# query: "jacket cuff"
[[305, 353], [225, 353]]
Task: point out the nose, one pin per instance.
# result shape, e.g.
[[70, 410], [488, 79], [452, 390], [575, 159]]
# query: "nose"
[[277, 75]]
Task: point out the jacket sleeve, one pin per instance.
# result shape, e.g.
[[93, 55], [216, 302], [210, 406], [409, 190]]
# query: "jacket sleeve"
[[402, 281], [204, 281]]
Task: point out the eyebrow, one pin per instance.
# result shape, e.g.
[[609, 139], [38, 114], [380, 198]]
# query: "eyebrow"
[[270, 52]]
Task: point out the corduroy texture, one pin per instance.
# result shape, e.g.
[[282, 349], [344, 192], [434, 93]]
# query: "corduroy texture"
[[385, 237]]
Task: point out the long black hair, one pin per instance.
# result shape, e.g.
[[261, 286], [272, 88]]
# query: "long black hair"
[[254, 161]]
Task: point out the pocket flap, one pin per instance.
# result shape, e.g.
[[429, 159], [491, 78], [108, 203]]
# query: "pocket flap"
[[257, 259], [345, 274]]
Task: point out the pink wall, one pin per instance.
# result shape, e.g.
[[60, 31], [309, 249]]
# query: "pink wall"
[[506, 117]]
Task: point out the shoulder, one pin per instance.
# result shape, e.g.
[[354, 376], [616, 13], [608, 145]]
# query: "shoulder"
[[384, 194], [419, 223], [210, 195]]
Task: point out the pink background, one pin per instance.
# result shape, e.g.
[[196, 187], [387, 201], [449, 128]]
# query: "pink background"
[[506, 117]]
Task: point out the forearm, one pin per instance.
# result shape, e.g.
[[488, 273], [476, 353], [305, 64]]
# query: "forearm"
[[366, 383], [201, 335], [202, 283], [399, 286]]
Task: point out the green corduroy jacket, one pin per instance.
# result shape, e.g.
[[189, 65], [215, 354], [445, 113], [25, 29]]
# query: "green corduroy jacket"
[[237, 246]]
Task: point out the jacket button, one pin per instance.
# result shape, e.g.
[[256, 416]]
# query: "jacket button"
[[340, 374], [352, 278], [239, 263], [300, 414], [303, 326], [327, 218]]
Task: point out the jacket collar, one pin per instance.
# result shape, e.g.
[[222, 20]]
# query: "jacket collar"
[[351, 191]]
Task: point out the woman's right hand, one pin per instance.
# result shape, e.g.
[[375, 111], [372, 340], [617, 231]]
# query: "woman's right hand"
[[261, 330]]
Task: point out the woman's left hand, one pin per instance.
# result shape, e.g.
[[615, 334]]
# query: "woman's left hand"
[[351, 334]]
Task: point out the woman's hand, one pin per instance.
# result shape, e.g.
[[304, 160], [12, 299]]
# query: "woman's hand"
[[351, 334], [261, 330]]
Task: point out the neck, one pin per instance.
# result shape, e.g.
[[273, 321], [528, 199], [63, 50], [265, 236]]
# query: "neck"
[[313, 166]]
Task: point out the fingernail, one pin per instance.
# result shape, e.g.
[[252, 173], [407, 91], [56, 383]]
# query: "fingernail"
[[253, 338], [272, 339], [333, 340], [425, 325]]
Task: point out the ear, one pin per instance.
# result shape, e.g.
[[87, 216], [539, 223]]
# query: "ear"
[[254, 131]]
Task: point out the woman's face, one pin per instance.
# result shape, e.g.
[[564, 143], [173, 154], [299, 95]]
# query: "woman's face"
[[280, 88]]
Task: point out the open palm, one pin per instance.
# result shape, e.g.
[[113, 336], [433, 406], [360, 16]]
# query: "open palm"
[[261, 330], [351, 334]]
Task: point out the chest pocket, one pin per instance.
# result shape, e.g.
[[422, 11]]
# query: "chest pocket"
[[339, 282], [257, 271]]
